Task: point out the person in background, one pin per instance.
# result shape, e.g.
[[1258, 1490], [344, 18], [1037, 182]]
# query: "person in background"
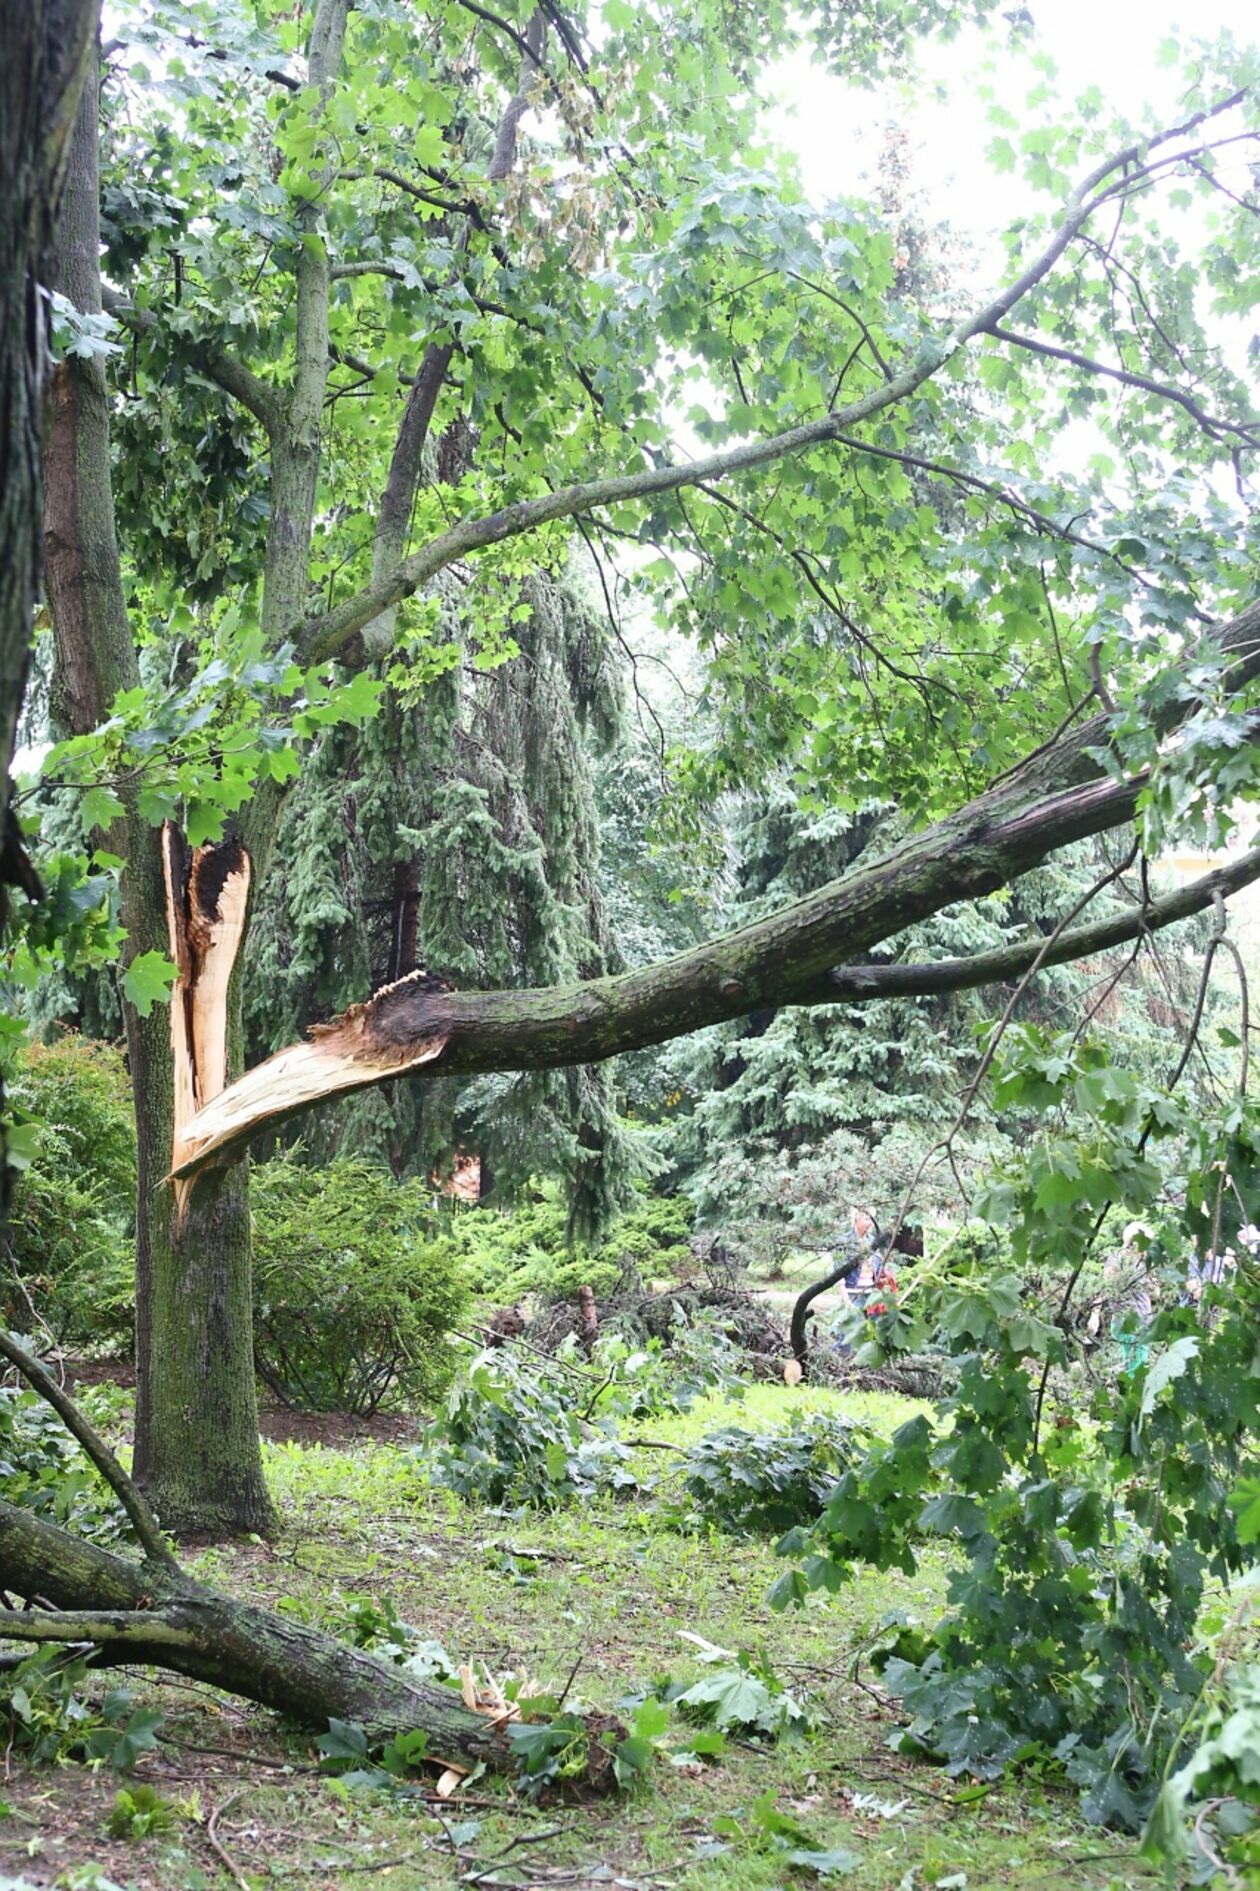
[[860, 1279], [857, 1282], [1207, 1270], [870, 1283]]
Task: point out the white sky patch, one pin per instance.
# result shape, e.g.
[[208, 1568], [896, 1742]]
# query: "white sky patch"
[[836, 131]]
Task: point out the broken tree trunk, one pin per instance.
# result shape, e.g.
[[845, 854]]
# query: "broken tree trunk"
[[207, 901], [151, 1613], [140, 1613], [197, 1451]]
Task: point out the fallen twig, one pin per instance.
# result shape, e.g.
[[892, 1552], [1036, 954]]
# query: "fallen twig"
[[217, 1846]]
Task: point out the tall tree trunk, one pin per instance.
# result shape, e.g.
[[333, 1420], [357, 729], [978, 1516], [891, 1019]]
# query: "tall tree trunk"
[[197, 1454], [45, 53], [197, 1450]]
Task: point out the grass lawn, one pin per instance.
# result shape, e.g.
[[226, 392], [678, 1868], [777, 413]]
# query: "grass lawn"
[[600, 1592]]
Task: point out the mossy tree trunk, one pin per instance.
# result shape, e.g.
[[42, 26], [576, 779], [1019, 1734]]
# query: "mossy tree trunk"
[[132, 1613], [197, 1450]]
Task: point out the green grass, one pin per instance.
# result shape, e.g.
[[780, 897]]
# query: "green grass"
[[606, 1588]]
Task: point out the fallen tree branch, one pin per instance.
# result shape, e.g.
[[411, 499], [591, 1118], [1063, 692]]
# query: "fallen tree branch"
[[789, 957], [134, 1613], [111, 1611], [86, 1625]]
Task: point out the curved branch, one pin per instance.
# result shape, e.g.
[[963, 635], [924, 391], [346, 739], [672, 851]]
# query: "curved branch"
[[143, 1521], [859, 983], [322, 637], [1215, 428], [800, 1311]]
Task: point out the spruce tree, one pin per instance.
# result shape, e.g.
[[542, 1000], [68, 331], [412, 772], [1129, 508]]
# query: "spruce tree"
[[459, 832]]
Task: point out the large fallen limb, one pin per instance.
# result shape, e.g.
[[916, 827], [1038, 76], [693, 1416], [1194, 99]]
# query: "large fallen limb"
[[794, 956], [122, 1612], [139, 1613]]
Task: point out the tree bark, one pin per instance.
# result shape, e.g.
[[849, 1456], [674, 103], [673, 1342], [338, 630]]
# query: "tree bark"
[[197, 1450], [120, 1611], [138, 1614], [45, 52]]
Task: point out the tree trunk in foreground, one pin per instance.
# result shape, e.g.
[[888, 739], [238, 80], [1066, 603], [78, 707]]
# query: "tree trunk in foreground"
[[164, 1618], [197, 1449], [45, 51]]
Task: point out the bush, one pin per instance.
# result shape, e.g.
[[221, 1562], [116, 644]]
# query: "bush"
[[525, 1251], [530, 1430], [766, 1482], [72, 1221], [43, 1469], [354, 1291], [512, 1434]]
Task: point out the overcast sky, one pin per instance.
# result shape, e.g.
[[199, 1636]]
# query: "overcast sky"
[[1111, 44]]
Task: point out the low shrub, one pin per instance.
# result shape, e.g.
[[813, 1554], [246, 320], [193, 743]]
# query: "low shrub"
[[355, 1293], [764, 1483], [526, 1429], [513, 1433], [524, 1251], [72, 1219]]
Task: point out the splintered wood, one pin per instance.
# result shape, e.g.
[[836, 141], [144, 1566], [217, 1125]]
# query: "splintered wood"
[[339, 1056], [207, 899]]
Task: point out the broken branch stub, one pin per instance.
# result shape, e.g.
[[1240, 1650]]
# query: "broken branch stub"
[[207, 903], [351, 1052]]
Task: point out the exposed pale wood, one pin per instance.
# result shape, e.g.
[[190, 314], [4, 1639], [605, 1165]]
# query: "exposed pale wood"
[[288, 1082], [207, 904]]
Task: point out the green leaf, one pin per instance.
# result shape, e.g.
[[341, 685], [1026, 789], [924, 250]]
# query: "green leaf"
[[147, 981], [1162, 1371], [99, 807]]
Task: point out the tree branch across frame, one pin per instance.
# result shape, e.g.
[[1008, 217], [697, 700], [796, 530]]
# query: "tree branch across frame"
[[318, 638], [1060, 795]]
